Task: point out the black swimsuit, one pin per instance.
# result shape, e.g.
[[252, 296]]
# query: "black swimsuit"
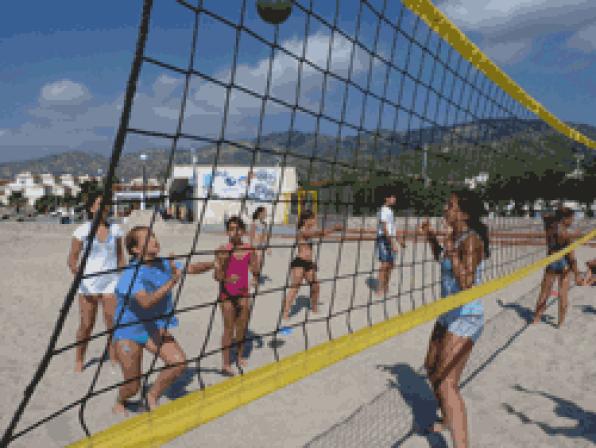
[[307, 265]]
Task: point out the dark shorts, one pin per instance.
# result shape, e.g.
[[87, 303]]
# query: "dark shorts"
[[307, 265], [558, 266], [385, 250]]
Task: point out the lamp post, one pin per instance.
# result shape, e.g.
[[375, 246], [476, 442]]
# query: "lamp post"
[[143, 158]]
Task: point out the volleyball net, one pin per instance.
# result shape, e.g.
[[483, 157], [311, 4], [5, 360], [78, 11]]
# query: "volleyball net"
[[348, 102]]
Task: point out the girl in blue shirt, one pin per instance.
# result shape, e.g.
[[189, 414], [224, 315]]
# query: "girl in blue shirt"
[[145, 308]]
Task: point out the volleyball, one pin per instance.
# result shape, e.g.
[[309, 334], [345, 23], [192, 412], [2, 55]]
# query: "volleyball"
[[274, 11]]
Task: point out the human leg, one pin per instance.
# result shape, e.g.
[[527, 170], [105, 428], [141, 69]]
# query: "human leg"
[[296, 276], [228, 314], [240, 324], [564, 280], [545, 289], [315, 289], [454, 354], [109, 302], [87, 312], [170, 352], [129, 355]]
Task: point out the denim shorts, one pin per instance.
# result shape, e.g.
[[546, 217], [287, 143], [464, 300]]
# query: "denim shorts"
[[558, 266], [467, 325], [385, 250]]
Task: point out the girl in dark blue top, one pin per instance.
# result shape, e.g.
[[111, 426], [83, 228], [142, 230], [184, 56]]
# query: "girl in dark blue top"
[[557, 237], [145, 307]]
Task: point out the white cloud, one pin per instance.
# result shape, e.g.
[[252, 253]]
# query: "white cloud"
[[584, 39], [68, 117], [64, 93], [504, 53], [510, 27]]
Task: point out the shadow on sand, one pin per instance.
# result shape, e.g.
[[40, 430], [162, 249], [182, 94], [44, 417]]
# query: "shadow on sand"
[[418, 395], [585, 421]]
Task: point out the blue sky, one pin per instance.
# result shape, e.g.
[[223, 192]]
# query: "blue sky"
[[65, 65]]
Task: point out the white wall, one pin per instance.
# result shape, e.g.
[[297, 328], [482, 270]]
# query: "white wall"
[[231, 195]]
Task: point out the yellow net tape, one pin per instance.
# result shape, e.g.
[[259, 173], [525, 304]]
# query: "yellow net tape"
[[440, 24]]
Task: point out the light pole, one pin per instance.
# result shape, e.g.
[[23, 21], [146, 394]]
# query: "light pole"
[[143, 158]]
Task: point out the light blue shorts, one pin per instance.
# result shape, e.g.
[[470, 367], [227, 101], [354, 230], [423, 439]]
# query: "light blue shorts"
[[467, 325]]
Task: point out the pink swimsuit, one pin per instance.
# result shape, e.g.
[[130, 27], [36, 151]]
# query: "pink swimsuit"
[[239, 267]]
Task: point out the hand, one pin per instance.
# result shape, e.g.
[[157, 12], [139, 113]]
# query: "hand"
[[425, 227], [580, 280], [403, 244], [232, 278]]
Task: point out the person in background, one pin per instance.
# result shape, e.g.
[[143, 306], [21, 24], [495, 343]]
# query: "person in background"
[[258, 234], [233, 262], [556, 227], [106, 254], [303, 267], [386, 243]]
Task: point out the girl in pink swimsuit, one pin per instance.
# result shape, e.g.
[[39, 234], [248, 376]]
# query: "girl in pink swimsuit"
[[232, 263]]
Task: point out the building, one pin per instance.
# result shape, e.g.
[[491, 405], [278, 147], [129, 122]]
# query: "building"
[[229, 187]]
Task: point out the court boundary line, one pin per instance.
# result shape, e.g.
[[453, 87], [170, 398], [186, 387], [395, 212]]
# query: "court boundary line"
[[179, 416]]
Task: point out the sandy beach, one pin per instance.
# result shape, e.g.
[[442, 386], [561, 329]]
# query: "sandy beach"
[[538, 359]]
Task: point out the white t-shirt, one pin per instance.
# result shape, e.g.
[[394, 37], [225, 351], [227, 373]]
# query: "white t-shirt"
[[102, 257], [385, 216]]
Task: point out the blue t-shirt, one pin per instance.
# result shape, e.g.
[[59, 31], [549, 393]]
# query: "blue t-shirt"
[[150, 278]]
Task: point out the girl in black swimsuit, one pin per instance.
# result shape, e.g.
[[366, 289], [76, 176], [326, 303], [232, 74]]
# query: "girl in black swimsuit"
[[302, 267]]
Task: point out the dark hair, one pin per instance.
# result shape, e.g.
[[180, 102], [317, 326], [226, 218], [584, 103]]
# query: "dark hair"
[[132, 240], [471, 204], [552, 219], [260, 209], [562, 213], [238, 220], [304, 216], [91, 198]]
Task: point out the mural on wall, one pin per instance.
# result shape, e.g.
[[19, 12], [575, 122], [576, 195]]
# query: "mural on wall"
[[263, 184]]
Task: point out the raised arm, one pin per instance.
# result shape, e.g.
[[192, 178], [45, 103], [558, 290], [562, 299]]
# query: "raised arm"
[[73, 256], [200, 267], [431, 237], [321, 233], [147, 300]]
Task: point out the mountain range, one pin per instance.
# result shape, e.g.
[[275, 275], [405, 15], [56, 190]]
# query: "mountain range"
[[475, 142]]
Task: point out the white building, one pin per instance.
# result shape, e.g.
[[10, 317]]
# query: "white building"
[[233, 185]]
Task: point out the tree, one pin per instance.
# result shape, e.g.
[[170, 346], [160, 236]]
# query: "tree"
[[17, 200]]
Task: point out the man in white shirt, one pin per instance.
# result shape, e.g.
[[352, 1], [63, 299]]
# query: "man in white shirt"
[[386, 243]]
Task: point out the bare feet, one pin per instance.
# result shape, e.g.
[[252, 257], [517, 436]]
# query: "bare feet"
[[242, 362], [436, 427], [78, 366], [227, 371], [151, 401], [119, 408]]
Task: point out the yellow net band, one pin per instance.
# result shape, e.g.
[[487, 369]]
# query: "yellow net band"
[[441, 24]]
